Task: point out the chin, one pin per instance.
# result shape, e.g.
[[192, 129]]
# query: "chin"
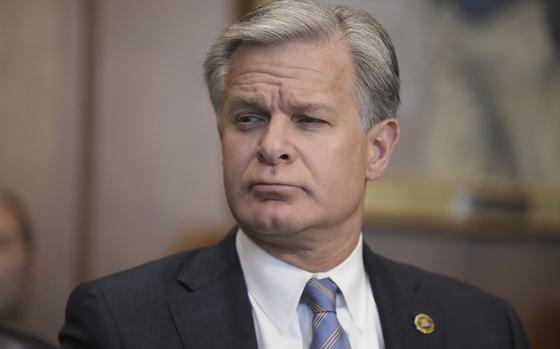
[[269, 224], [274, 217]]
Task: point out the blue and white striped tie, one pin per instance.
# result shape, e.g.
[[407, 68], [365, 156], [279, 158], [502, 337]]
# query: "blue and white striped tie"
[[320, 296]]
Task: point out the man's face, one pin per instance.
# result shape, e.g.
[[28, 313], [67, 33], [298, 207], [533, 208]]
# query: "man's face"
[[295, 157], [13, 262]]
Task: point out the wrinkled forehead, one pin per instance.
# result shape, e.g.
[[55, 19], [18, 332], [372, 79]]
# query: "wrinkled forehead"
[[301, 72], [326, 62]]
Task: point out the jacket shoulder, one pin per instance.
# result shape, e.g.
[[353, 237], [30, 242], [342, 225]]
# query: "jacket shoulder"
[[463, 309], [430, 283], [102, 313], [157, 272]]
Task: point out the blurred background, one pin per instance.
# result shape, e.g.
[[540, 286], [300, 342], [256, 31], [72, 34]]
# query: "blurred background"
[[108, 138]]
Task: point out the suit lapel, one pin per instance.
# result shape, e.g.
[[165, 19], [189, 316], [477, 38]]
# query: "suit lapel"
[[209, 301], [398, 297]]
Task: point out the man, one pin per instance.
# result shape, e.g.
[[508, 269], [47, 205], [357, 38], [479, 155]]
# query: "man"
[[305, 97], [15, 258], [16, 273]]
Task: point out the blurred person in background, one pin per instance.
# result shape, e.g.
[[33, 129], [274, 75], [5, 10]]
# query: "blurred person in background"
[[17, 269]]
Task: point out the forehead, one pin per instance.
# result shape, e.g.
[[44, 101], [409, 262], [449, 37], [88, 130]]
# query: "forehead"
[[303, 65]]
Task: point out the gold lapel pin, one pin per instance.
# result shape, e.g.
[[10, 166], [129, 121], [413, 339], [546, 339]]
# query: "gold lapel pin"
[[424, 323]]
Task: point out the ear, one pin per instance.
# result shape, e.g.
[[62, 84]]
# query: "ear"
[[382, 139]]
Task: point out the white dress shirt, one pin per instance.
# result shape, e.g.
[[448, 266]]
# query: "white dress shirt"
[[275, 289]]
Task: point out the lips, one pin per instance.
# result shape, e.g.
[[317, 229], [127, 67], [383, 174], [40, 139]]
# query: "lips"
[[273, 189], [271, 186]]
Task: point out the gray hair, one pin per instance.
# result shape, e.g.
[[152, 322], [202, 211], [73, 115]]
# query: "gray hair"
[[376, 71]]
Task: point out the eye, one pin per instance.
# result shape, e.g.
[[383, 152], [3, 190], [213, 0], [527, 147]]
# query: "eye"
[[310, 121], [247, 121]]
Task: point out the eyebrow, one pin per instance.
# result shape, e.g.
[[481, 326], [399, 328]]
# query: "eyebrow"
[[313, 107], [248, 101], [298, 106]]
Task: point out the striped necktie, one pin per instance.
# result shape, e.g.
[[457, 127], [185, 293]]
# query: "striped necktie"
[[320, 296]]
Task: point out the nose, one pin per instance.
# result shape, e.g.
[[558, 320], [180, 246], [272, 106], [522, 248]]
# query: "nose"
[[275, 147]]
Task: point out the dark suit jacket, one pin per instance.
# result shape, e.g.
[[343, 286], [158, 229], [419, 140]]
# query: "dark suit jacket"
[[198, 299]]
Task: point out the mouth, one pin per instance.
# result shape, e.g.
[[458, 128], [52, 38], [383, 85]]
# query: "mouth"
[[266, 187], [271, 185]]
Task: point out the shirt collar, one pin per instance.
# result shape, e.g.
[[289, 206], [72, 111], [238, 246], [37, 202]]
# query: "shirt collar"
[[276, 286]]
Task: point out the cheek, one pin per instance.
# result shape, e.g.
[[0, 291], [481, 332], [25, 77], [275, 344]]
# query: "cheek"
[[236, 158], [341, 164]]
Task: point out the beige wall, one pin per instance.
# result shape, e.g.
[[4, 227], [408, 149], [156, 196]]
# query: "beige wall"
[[40, 101], [132, 88], [156, 160]]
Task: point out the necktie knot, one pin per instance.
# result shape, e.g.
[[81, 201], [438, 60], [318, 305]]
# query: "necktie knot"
[[320, 295]]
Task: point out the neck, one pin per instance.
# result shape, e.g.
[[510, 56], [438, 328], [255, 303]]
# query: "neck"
[[305, 251]]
